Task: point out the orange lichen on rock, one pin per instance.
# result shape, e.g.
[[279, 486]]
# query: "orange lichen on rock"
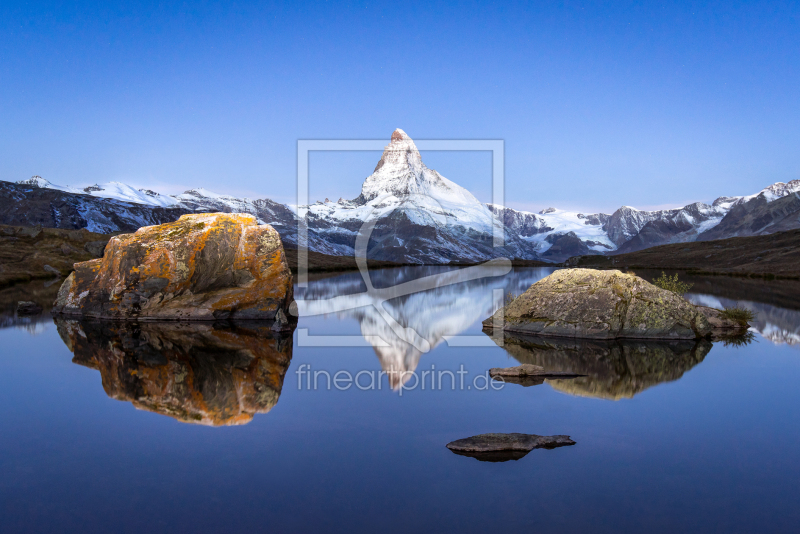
[[201, 267], [201, 373]]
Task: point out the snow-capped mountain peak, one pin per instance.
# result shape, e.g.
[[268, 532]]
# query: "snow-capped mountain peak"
[[401, 173]]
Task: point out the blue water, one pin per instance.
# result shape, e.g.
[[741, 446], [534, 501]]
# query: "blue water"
[[714, 447]]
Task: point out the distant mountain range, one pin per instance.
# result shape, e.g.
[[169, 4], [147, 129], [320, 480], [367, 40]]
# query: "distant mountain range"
[[420, 216]]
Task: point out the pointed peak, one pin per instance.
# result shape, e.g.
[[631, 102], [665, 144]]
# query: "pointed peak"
[[401, 151], [400, 135]]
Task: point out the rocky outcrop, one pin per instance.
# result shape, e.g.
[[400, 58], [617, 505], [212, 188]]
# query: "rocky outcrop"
[[593, 304], [203, 373], [609, 369], [201, 267], [503, 447]]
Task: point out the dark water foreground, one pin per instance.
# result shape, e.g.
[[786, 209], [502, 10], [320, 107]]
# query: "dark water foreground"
[[218, 427]]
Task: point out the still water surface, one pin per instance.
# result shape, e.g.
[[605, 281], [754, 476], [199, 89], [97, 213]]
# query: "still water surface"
[[201, 428]]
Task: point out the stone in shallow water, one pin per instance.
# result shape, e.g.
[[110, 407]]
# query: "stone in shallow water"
[[26, 307], [527, 375], [593, 304], [503, 447], [722, 326], [212, 266]]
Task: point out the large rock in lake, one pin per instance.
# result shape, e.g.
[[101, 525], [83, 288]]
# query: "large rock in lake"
[[201, 267], [594, 304]]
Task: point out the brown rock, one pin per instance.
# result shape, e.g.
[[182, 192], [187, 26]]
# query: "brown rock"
[[201, 267]]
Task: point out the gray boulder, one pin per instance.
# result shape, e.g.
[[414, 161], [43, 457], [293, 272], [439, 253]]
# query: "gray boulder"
[[594, 304]]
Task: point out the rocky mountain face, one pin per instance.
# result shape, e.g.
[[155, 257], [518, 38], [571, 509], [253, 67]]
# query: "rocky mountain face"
[[758, 216], [561, 234], [419, 216]]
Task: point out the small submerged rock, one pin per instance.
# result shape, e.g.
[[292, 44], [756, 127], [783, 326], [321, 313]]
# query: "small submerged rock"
[[504, 447], [722, 326], [527, 374], [52, 270], [594, 304], [26, 307]]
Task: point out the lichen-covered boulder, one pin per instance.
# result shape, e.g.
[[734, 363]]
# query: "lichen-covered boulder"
[[588, 303], [209, 266]]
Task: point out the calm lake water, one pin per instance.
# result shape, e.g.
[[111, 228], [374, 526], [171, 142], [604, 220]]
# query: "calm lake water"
[[200, 428]]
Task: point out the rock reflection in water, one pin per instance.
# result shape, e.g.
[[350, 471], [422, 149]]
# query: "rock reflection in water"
[[614, 369], [456, 304], [203, 373]]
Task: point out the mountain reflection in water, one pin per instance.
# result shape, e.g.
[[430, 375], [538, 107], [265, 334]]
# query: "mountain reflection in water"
[[202, 373], [615, 369], [458, 303]]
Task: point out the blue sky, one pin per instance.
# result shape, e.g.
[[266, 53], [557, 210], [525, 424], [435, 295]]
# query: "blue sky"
[[600, 104]]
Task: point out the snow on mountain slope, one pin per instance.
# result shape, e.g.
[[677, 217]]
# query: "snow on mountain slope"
[[774, 191], [126, 193], [38, 181], [539, 227]]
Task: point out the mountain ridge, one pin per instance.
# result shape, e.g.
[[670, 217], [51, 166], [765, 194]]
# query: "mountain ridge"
[[420, 216]]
